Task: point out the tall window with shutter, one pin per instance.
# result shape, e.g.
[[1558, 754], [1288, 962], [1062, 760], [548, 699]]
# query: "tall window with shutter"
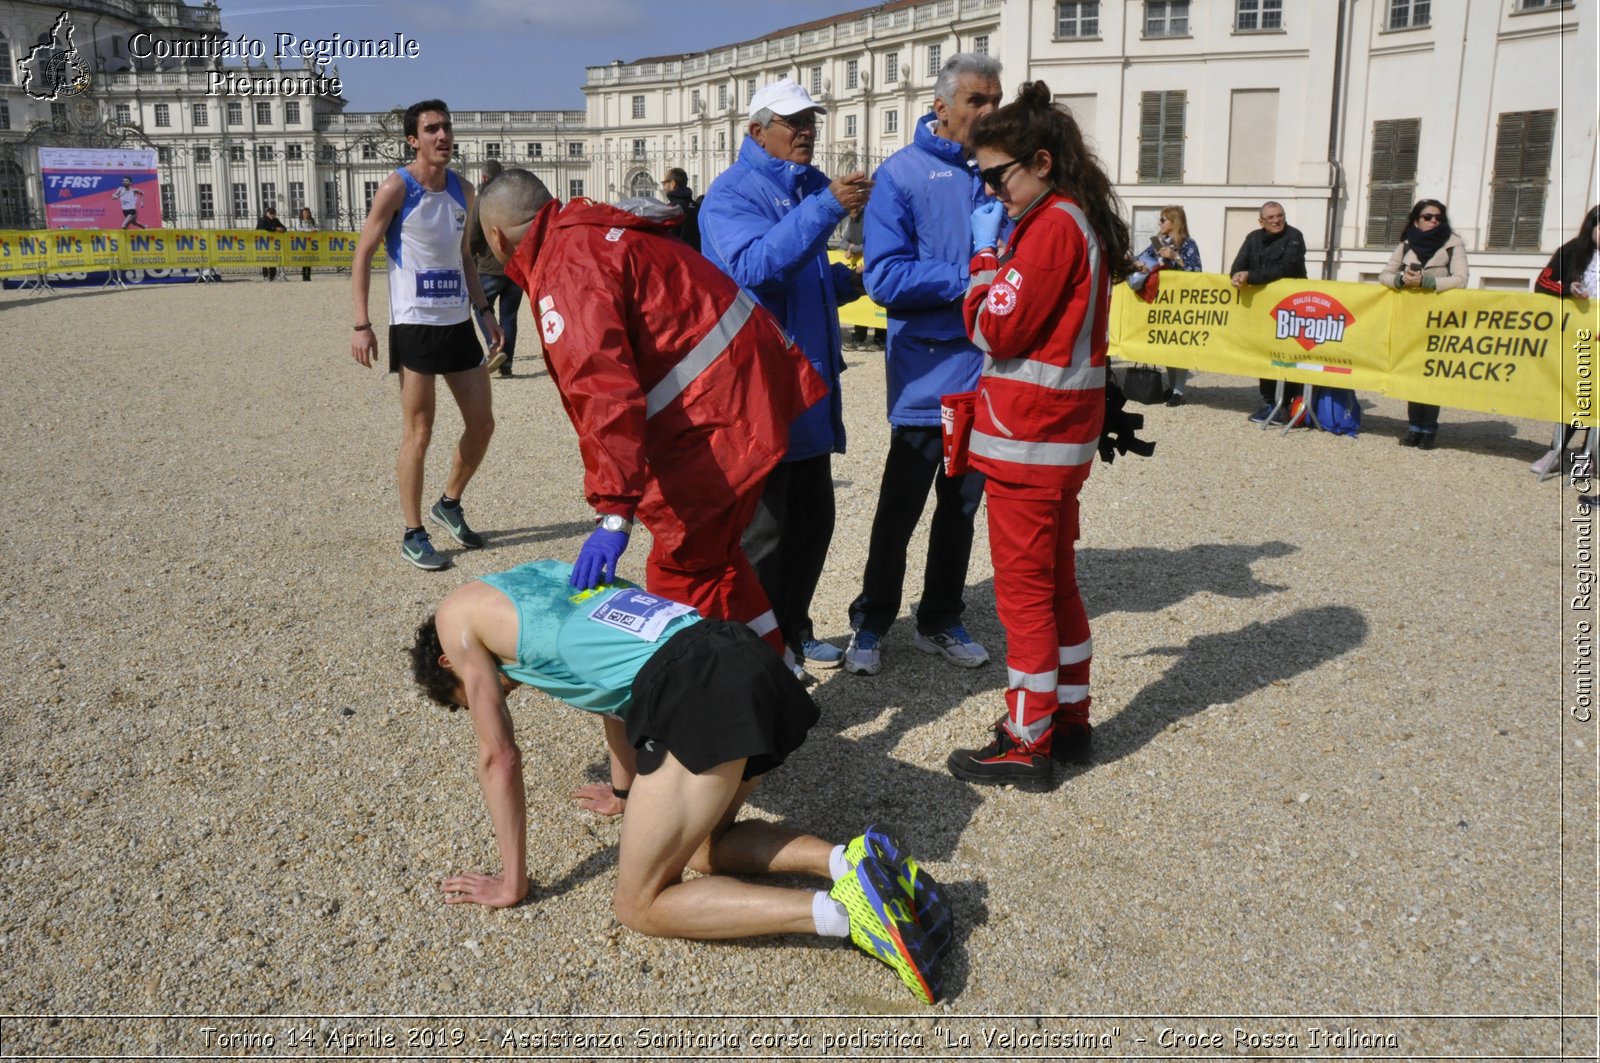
[[1392, 187], [1161, 116], [1521, 177]]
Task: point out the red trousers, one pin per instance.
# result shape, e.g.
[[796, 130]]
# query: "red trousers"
[[705, 566], [1032, 532]]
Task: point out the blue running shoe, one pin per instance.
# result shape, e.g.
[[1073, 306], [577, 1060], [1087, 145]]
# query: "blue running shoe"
[[881, 925], [862, 656], [454, 521], [820, 654], [954, 645], [418, 550]]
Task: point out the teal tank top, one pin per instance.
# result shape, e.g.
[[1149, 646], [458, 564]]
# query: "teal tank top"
[[584, 647]]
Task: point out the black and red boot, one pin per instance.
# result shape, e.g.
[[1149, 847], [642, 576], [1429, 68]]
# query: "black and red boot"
[[1006, 761]]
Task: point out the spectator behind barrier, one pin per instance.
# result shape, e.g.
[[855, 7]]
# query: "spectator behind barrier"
[[1430, 257], [1573, 273], [1272, 252]]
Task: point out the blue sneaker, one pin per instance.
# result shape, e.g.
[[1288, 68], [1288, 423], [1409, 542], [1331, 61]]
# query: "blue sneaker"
[[418, 550], [862, 656], [819, 654], [1261, 415], [954, 645], [454, 521]]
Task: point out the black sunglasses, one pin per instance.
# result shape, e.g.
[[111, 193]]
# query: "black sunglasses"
[[797, 122], [995, 176], [1429, 217]]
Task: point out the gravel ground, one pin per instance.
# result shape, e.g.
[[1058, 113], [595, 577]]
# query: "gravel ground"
[[1331, 785]]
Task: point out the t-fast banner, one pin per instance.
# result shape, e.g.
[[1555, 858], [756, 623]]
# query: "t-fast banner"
[[99, 188]]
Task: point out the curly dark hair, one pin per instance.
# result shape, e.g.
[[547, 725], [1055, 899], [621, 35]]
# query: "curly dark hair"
[[1034, 122], [437, 681]]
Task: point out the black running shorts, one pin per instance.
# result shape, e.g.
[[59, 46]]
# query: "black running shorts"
[[715, 693], [434, 349]]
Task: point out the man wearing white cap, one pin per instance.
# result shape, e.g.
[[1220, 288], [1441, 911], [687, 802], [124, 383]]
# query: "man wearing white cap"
[[765, 222]]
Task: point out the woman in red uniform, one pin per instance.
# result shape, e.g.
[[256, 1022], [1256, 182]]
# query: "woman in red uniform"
[[1040, 312]]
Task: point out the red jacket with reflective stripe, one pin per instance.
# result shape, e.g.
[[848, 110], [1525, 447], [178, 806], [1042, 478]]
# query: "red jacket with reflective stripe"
[[667, 370], [1041, 315]]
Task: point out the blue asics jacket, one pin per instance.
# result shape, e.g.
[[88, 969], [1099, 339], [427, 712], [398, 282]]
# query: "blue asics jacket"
[[918, 242], [765, 223]]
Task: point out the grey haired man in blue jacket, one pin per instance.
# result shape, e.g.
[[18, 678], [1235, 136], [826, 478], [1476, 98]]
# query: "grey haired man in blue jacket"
[[918, 244], [765, 222]]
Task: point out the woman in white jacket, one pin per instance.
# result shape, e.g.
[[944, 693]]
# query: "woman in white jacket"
[[1432, 258]]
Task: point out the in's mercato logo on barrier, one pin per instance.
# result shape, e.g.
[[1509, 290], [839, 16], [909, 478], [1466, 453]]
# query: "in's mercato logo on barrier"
[[1311, 319]]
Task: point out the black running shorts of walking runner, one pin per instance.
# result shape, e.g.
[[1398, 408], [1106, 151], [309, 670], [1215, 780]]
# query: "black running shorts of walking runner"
[[434, 349], [716, 693]]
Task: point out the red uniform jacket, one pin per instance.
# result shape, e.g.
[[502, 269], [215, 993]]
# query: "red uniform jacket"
[[1041, 315], [680, 387]]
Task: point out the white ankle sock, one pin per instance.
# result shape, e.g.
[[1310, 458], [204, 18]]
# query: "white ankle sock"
[[838, 866], [830, 916]]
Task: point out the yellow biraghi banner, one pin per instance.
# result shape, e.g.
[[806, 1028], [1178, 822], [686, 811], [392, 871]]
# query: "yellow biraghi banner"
[[1518, 354], [862, 312], [1322, 333], [1499, 352]]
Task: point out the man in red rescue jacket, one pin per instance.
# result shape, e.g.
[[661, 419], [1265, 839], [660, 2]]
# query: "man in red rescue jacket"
[[680, 387]]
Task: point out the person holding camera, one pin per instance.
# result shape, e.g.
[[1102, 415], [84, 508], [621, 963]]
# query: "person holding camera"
[[1432, 258]]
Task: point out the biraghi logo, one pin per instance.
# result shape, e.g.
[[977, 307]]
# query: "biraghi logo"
[[1311, 319]]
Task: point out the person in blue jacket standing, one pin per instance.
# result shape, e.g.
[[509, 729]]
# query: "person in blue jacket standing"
[[918, 244], [765, 222]]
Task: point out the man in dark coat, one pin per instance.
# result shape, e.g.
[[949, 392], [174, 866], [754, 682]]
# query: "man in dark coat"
[[1274, 251]]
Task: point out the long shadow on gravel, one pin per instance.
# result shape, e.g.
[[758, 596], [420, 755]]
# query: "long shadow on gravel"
[[1145, 579], [1221, 669], [501, 538], [834, 787]]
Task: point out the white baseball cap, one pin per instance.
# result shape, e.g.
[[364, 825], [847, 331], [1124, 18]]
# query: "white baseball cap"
[[785, 98]]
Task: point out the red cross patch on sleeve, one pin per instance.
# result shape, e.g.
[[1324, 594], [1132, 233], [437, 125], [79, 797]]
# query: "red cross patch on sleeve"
[[1002, 299]]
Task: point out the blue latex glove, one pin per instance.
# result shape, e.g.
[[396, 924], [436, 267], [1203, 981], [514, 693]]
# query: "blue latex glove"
[[597, 561], [986, 222]]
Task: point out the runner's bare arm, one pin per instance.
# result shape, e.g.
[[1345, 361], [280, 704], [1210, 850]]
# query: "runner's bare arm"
[[391, 193], [499, 769]]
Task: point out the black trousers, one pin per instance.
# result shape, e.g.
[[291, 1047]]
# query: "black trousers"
[[788, 540], [912, 467], [502, 290], [1424, 418]]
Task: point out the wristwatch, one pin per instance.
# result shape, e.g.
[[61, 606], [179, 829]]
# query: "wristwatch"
[[612, 522]]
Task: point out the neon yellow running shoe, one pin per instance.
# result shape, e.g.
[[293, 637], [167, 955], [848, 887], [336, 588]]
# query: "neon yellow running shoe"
[[928, 905], [882, 925]]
